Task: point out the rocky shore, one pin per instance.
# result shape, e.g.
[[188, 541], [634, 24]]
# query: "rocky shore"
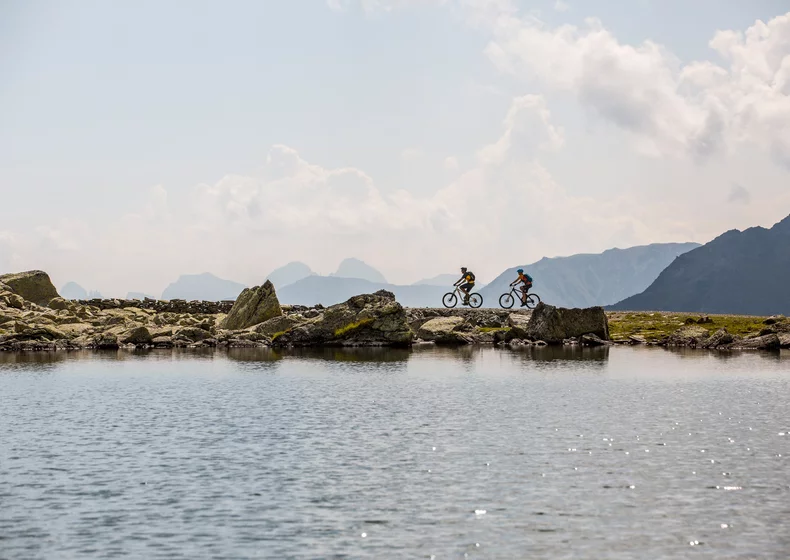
[[34, 317]]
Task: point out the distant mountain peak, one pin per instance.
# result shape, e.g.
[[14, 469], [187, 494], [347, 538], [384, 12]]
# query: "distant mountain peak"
[[289, 273], [355, 268], [203, 286], [744, 272]]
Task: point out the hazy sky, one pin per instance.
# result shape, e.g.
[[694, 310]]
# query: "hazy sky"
[[141, 140]]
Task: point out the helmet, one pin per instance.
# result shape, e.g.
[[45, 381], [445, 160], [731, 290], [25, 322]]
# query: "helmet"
[[520, 271], [463, 269]]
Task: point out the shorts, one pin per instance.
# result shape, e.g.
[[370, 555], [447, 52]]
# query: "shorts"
[[468, 286], [525, 287]]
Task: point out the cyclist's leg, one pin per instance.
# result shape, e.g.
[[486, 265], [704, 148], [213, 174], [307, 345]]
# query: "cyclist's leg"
[[467, 288]]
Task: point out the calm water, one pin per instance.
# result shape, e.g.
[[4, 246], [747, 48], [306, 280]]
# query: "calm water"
[[479, 453]]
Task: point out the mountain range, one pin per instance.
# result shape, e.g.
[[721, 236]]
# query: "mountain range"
[[586, 280], [740, 272], [575, 281], [328, 290], [204, 286]]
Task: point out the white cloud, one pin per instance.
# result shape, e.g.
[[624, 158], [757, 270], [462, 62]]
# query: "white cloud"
[[561, 6], [451, 163], [411, 154], [739, 194], [669, 109], [528, 126], [241, 227]]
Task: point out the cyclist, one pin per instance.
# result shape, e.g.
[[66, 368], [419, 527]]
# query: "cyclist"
[[468, 278], [526, 279]]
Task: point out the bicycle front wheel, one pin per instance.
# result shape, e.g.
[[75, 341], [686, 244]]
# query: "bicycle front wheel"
[[507, 300], [532, 301], [450, 299], [475, 300]]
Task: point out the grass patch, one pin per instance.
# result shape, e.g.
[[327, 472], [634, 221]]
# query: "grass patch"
[[352, 327], [657, 325], [278, 334], [492, 329]]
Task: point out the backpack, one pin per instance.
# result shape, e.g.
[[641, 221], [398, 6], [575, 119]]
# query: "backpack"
[[528, 277], [471, 275]]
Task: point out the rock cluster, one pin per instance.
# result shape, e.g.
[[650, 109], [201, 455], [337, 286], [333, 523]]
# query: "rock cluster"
[[34, 317], [162, 306]]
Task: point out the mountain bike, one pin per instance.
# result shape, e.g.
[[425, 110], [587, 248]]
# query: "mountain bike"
[[507, 300], [450, 299]]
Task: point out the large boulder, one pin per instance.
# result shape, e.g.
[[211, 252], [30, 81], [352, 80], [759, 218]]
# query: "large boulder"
[[691, 336], [767, 342], [253, 306], [365, 320], [720, 338], [518, 323], [555, 324], [34, 286], [443, 330], [137, 335], [277, 325]]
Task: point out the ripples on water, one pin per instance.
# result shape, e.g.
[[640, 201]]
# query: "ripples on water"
[[477, 452]]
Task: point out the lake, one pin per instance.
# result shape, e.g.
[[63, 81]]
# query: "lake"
[[429, 453]]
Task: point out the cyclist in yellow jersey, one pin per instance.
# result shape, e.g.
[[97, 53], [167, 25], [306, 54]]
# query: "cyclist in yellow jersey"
[[468, 278]]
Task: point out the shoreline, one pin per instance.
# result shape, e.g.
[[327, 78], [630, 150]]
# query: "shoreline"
[[34, 318]]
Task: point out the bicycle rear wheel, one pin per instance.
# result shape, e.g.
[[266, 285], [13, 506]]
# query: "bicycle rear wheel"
[[450, 299], [507, 300], [475, 300], [532, 301]]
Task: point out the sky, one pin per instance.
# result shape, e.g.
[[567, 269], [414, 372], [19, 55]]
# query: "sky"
[[144, 140]]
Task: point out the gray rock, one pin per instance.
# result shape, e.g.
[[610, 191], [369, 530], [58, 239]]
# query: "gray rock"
[[137, 335], [637, 339], [691, 336], [784, 340], [193, 334], [554, 324], [443, 330], [364, 320], [593, 340], [34, 286], [720, 338], [253, 306], [105, 341], [277, 325], [518, 322], [767, 342], [162, 342], [58, 303]]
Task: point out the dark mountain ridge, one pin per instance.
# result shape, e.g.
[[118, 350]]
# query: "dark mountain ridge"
[[739, 272]]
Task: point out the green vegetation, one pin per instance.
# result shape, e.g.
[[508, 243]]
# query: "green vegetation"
[[657, 325], [278, 334], [352, 327]]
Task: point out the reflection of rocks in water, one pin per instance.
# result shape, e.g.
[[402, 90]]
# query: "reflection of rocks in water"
[[251, 354], [349, 354], [36, 359], [598, 355], [722, 355]]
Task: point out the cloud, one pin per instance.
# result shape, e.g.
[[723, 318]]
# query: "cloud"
[[739, 195], [561, 6], [670, 109], [241, 227], [528, 127], [411, 154], [451, 163]]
